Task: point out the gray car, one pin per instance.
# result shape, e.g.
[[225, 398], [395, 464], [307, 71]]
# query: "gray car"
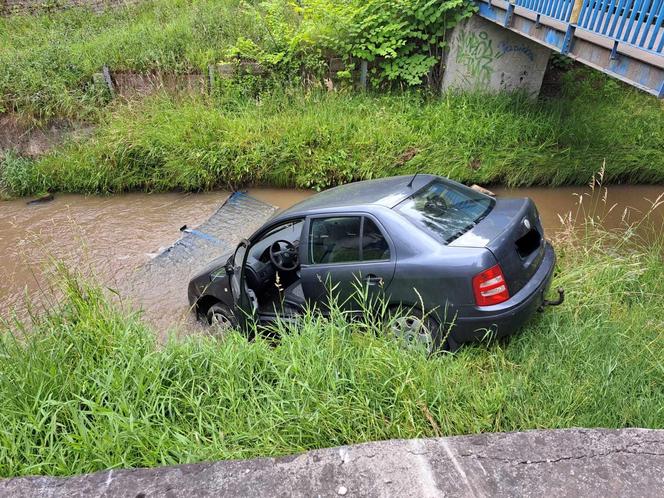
[[456, 263]]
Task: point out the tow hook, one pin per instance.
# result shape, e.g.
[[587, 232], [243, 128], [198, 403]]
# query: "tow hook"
[[557, 302]]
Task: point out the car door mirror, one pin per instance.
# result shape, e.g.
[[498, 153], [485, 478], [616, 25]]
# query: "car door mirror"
[[228, 265]]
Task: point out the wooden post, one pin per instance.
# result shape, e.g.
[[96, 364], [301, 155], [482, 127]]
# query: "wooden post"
[[576, 10]]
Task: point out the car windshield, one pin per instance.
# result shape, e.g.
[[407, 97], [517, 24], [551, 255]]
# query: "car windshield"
[[445, 209]]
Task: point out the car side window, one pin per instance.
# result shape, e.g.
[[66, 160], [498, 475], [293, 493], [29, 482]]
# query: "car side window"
[[338, 240], [374, 245], [334, 240]]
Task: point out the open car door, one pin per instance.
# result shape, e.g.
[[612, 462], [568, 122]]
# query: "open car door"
[[245, 299]]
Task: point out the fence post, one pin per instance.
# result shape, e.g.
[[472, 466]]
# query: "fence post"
[[576, 11], [109, 81], [210, 79], [363, 74]]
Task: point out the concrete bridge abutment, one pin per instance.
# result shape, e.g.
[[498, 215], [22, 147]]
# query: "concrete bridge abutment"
[[486, 57]]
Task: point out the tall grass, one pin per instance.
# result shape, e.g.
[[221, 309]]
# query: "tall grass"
[[47, 61], [87, 388], [313, 139]]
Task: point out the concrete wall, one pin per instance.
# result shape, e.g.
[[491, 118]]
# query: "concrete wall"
[[8, 7], [564, 463], [484, 56]]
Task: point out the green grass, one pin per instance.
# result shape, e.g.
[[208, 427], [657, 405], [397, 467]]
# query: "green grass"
[[260, 132], [87, 388], [47, 61], [315, 139]]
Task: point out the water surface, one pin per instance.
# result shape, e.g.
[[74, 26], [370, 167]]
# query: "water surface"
[[111, 236]]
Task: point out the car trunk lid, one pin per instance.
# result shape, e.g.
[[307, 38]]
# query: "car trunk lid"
[[512, 231]]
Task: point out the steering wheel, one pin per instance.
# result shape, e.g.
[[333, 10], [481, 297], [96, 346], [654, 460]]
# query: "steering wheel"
[[284, 255]]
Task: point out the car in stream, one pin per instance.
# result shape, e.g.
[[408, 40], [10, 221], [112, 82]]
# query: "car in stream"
[[452, 263]]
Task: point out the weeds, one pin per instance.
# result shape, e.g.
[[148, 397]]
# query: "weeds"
[[48, 62], [86, 387], [15, 175], [291, 137], [273, 131]]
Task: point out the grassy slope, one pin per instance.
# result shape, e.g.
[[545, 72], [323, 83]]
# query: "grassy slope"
[[88, 389], [46, 68], [317, 140], [47, 61]]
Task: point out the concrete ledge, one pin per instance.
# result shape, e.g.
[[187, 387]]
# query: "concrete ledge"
[[573, 462]]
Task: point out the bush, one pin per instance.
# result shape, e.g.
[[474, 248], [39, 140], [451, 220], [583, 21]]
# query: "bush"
[[404, 39]]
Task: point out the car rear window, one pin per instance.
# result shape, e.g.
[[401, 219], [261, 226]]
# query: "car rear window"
[[446, 210]]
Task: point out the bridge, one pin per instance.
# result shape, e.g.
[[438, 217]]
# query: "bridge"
[[622, 38], [506, 46]]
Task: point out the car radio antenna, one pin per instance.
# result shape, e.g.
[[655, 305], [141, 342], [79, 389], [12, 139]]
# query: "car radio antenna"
[[410, 183]]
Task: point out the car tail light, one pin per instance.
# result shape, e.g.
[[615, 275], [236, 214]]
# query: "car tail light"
[[490, 287]]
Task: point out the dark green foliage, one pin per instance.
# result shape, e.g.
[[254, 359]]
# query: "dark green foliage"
[[404, 38]]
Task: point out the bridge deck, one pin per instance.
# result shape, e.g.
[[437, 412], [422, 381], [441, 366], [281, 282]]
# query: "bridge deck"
[[623, 38]]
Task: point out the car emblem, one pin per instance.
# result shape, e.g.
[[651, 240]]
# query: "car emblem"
[[526, 223]]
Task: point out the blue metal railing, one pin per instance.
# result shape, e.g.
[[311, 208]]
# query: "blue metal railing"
[[558, 9], [635, 22]]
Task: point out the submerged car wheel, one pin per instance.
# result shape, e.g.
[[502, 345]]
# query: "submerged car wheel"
[[221, 319], [415, 331]]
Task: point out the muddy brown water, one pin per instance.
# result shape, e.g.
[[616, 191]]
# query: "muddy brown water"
[[111, 236]]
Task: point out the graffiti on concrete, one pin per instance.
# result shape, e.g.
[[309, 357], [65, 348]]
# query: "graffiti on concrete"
[[505, 48], [475, 52]]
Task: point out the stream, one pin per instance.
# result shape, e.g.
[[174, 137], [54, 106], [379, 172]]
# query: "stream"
[[111, 236]]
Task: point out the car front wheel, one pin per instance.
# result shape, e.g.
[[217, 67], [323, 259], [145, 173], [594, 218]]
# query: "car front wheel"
[[221, 319]]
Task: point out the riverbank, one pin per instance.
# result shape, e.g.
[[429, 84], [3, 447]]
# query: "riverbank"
[[88, 388], [316, 139], [300, 123]]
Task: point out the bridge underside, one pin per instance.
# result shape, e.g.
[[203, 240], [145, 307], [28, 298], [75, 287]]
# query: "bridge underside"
[[483, 56], [641, 68]]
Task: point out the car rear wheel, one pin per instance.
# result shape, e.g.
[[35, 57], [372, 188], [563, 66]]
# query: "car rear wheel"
[[413, 329], [416, 330], [221, 319]]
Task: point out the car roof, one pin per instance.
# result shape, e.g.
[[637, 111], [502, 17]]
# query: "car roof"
[[386, 192]]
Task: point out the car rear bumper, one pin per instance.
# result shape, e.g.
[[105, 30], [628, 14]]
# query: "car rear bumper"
[[506, 318]]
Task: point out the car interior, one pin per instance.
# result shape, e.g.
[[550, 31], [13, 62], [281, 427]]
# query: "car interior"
[[272, 269]]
